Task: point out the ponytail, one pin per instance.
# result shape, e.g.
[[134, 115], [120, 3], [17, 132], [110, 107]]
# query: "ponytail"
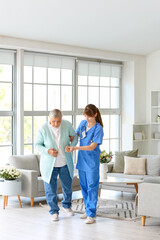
[[91, 110]]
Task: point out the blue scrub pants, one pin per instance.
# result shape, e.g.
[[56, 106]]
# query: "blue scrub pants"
[[89, 182], [51, 189]]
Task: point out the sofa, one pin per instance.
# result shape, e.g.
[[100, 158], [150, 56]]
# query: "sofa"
[[152, 174], [32, 183]]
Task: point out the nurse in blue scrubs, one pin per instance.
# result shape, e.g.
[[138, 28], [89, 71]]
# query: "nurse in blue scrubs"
[[90, 132]]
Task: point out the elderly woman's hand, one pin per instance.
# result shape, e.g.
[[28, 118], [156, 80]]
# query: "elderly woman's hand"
[[71, 138], [69, 149], [53, 152]]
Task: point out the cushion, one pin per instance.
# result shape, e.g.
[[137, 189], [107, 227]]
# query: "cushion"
[[134, 166], [118, 166], [29, 162], [152, 164]]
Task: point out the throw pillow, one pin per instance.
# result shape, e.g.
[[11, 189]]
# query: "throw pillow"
[[134, 166], [118, 166], [152, 164]]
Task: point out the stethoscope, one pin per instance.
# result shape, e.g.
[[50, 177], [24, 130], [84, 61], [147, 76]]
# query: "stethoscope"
[[83, 131]]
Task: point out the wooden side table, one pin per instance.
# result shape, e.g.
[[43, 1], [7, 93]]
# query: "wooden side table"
[[10, 188]]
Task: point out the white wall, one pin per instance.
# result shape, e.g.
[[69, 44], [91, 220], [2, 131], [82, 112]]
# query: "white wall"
[[134, 75], [152, 79]]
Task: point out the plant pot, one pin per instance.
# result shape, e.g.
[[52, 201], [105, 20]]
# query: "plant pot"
[[103, 170]]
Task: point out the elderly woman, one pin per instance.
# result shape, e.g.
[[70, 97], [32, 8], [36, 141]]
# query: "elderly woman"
[[51, 140]]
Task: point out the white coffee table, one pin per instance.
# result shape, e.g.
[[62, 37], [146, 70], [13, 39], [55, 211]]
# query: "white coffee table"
[[10, 188], [114, 180]]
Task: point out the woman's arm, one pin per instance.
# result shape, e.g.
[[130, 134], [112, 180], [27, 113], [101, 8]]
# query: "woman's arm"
[[90, 147]]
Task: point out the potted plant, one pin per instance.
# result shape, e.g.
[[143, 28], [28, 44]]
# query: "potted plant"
[[158, 118], [105, 158], [9, 173]]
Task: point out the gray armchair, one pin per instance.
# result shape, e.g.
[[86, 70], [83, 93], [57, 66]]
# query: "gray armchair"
[[32, 183], [149, 199]]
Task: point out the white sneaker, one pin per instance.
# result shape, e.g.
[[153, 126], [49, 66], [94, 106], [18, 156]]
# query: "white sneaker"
[[89, 220], [55, 217], [68, 211], [83, 216]]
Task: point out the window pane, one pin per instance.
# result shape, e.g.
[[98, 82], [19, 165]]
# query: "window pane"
[[5, 96], [38, 121], [27, 129], [28, 74], [105, 146], [114, 97], [104, 97], [27, 149], [54, 75], [5, 130], [93, 96], [114, 145], [6, 73], [79, 118], [39, 75], [114, 126], [93, 81], [82, 80], [67, 117], [39, 97], [105, 119], [27, 97], [115, 82], [66, 99], [82, 97], [66, 76], [53, 97], [104, 81], [5, 153]]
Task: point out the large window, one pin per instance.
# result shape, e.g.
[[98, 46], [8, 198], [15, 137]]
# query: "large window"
[[7, 146], [48, 84], [99, 84]]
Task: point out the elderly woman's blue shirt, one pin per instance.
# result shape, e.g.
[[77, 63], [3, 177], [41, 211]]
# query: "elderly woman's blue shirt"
[[45, 140]]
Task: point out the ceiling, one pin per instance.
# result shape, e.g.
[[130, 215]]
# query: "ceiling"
[[129, 26]]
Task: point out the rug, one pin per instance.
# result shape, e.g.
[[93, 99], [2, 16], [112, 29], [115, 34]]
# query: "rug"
[[122, 210], [110, 209]]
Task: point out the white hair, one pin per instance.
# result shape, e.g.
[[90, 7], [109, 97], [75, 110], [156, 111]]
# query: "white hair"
[[55, 113]]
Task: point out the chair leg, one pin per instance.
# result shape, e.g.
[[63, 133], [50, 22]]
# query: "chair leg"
[[32, 202], [143, 220]]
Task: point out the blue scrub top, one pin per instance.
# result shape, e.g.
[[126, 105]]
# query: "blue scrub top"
[[89, 160]]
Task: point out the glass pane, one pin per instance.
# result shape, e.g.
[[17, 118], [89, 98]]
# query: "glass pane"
[[27, 74], [79, 118], [93, 96], [5, 130], [27, 149], [114, 126], [39, 97], [68, 117], [27, 129], [5, 153], [53, 97], [54, 75], [39, 75], [82, 80], [66, 98], [38, 121], [105, 119], [82, 97], [104, 97], [105, 146], [27, 97], [6, 73], [115, 82], [104, 81], [93, 81], [66, 76], [114, 145], [6, 96], [114, 97]]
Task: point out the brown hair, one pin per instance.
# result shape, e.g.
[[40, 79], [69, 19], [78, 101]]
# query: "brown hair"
[[90, 110]]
